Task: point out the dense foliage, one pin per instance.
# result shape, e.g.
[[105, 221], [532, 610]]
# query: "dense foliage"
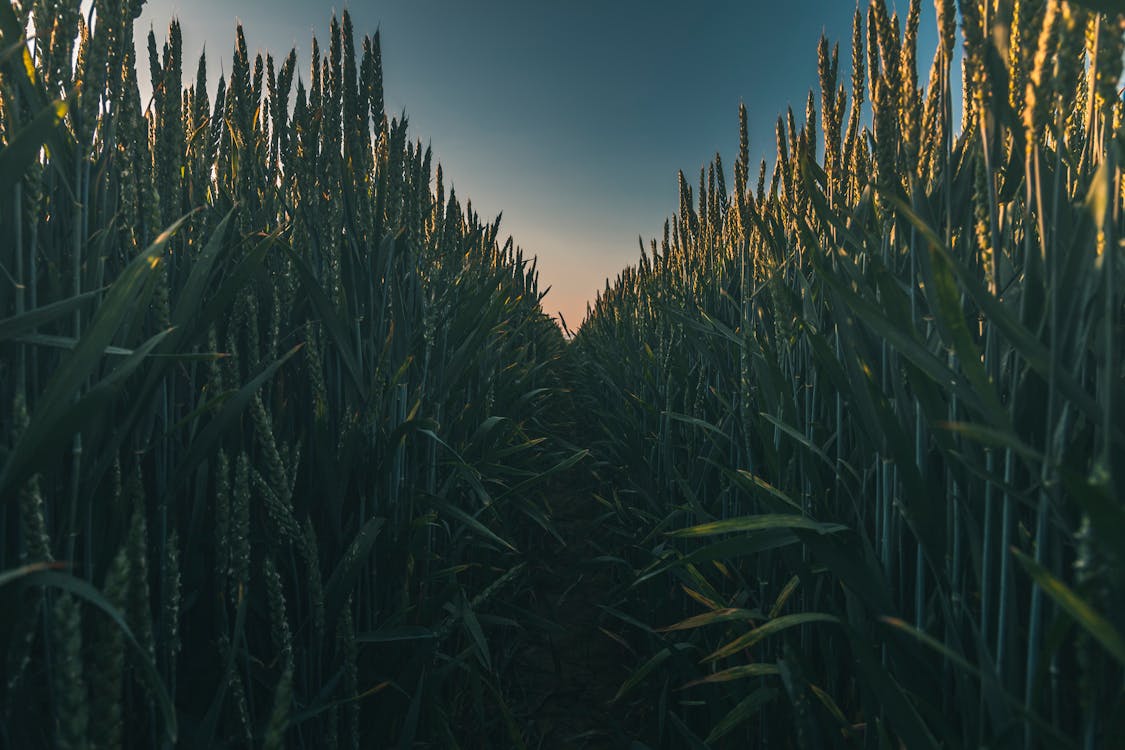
[[274, 405], [280, 418], [861, 425]]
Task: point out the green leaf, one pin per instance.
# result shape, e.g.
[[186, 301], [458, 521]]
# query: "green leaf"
[[694, 422], [850, 558], [218, 305], [626, 618], [747, 524], [15, 574], [692, 740], [728, 549], [410, 728], [473, 627], [347, 570], [189, 302], [710, 618], [951, 316], [770, 628], [564, 465], [735, 673], [829, 703], [90, 405], [996, 438], [475, 525], [397, 635], [891, 698], [515, 734], [16, 325], [901, 336], [647, 668], [1026, 343], [1086, 616], [56, 417], [797, 436], [987, 677], [747, 708], [23, 148], [783, 597], [805, 729]]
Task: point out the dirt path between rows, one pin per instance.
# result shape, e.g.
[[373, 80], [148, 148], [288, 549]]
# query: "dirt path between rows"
[[566, 679]]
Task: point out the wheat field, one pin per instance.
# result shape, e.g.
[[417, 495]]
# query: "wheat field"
[[292, 456]]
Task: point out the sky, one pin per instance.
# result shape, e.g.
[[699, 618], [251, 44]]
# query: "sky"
[[572, 118]]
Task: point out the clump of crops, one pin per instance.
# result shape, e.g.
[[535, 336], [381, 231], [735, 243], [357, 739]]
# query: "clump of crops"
[[862, 417], [273, 404], [276, 409]]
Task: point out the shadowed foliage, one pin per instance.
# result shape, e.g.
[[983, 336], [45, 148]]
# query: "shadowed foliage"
[[286, 435], [863, 429], [274, 404]]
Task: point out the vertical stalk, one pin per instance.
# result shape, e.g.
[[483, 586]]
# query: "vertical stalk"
[[76, 444], [21, 284], [1109, 272], [992, 364], [1046, 490]]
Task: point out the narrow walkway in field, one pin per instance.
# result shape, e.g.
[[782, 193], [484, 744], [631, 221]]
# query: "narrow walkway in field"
[[568, 677]]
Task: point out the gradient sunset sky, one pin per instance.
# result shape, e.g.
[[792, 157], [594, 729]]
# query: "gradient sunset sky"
[[570, 117]]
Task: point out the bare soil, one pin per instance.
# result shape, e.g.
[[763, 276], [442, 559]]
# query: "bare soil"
[[566, 676]]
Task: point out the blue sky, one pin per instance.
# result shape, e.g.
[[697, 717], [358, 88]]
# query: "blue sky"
[[571, 118]]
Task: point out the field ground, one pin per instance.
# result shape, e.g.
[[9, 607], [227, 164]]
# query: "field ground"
[[567, 676]]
